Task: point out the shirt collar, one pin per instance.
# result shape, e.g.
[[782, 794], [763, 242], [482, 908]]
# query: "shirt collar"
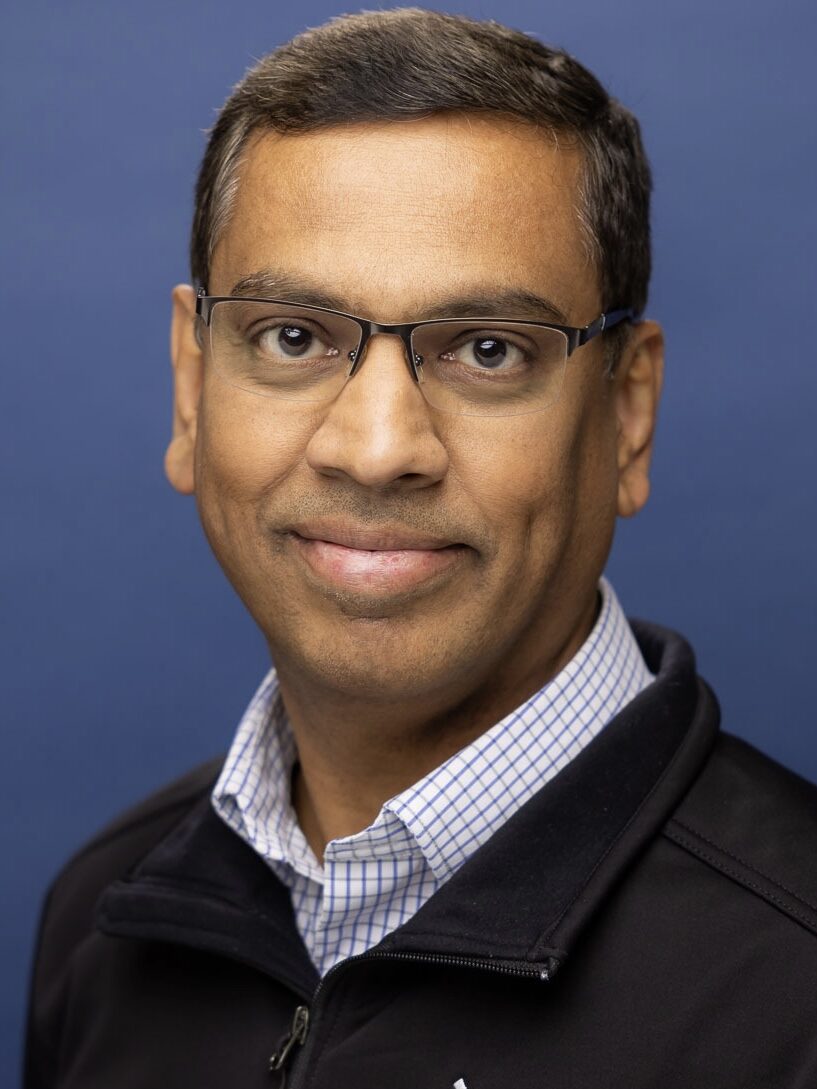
[[253, 795]]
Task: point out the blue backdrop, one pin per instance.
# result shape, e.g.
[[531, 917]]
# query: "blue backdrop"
[[125, 656]]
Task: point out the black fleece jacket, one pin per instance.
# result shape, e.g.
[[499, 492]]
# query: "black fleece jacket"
[[647, 921]]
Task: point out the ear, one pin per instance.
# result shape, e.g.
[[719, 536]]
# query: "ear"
[[188, 371], [638, 380]]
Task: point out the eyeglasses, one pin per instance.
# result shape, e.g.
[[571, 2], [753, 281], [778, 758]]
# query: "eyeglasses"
[[465, 366]]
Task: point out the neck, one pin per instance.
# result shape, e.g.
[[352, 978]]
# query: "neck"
[[355, 754]]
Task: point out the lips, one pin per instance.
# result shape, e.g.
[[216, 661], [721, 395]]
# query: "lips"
[[370, 538], [376, 559]]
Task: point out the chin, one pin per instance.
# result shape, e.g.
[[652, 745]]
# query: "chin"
[[376, 659]]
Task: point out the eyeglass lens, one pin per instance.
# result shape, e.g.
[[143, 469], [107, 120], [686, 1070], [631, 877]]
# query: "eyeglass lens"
[[465, 367]]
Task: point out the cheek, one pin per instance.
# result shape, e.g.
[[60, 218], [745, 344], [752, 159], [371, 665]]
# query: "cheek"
[[518, 477], [549, 490], [245, 447]]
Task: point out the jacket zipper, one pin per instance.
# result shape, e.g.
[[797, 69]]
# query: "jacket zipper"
[[295, 1038], [291, 1056]]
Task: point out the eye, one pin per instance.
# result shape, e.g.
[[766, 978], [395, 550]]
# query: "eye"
[[291, 341], [487, 352]]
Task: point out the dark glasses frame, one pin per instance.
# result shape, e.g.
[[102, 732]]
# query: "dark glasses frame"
[[575, 335]]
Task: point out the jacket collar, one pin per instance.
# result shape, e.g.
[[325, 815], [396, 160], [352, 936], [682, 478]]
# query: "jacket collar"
[[523, 897]]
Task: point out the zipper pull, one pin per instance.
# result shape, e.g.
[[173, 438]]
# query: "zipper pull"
[[294, 1038]]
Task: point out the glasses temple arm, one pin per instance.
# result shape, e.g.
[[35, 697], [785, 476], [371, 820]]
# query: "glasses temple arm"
[[606, 321]]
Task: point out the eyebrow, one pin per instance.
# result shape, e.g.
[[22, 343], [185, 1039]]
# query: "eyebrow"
[[479, 302]]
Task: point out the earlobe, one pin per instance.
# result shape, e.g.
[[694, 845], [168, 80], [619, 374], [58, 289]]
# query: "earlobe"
[[188, 371], [638, 390]]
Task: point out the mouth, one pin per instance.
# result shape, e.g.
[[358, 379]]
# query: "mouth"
[[380, 560]]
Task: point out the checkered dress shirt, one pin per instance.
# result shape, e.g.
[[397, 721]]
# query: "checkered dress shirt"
[[375, 880]]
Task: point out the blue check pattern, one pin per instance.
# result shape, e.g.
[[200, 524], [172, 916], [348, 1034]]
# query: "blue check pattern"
[[373, 881]]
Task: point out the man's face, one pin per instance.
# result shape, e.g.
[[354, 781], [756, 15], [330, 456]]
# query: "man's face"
[[386, 548]]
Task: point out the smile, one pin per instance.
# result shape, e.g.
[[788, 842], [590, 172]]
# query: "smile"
[[379, 560]]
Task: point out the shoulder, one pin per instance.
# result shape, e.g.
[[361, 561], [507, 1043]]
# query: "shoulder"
[[67, 919], [755, 823], [69, 906]]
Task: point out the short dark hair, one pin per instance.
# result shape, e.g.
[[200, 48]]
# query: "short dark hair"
[[409, 63]]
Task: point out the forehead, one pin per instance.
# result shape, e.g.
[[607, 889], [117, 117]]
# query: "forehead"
[[391, 216]]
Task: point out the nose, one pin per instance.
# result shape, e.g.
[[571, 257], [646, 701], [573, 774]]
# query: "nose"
[[379, 432]]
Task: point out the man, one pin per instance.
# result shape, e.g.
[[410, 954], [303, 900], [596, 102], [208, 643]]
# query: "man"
[[474, 829]]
